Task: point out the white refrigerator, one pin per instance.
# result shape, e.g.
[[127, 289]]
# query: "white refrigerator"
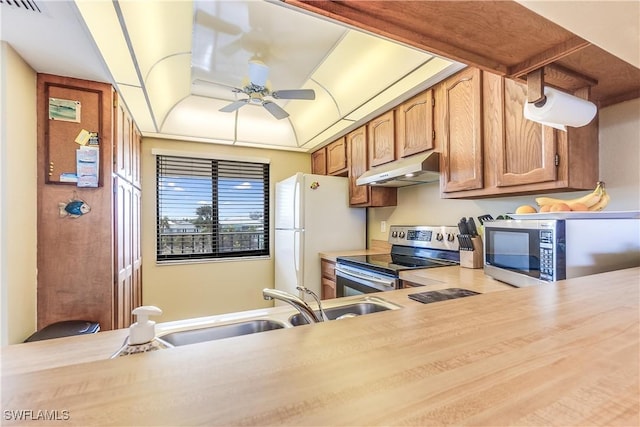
[[312, 215]]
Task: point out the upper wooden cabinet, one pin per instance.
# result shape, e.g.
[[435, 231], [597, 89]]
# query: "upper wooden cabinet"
[[414, 125], [127, 145], [364, 195], [525, 150], [459, 119], [525, 156], [382, 141], [331, 160], [489, 149], [337, 157], [319, 161]]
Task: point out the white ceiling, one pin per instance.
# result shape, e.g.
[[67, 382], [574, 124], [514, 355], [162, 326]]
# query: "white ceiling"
[[175, 62]]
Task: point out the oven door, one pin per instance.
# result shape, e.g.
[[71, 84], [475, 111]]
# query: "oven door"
[[357, 281]]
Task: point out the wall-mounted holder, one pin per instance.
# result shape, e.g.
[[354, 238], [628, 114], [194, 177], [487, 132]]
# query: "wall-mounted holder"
[[474, 258], [554, 108]]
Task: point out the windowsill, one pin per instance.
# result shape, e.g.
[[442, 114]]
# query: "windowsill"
[[211, 260]]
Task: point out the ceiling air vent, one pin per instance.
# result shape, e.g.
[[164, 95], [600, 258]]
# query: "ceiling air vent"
[[22, 4]]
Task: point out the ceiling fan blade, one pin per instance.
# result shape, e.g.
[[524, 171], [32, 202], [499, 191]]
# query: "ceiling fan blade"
[[295, 94], [275, 110], [213, 22], [234, 106]]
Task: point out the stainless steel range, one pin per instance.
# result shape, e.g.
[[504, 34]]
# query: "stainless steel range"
[[413, 246]]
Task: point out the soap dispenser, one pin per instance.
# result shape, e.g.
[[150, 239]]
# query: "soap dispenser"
[[142, 334]]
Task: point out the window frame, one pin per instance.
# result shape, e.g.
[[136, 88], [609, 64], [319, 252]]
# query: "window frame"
[[217, 251]]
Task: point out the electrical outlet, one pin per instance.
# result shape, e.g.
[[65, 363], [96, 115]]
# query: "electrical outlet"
[[383, 226]]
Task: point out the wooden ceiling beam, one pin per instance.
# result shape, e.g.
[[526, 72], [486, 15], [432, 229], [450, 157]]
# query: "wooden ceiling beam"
[[565, 78], [549, 56]]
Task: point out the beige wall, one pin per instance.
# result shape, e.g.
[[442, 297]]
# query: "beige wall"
[[17, 197], [619, 159], [191, 290]]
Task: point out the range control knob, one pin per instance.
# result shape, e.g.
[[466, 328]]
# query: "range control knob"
[[439, 237], [394, 234], [402, 234], [450, 237]]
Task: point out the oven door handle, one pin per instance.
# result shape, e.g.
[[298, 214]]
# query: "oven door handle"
[[387, 283]]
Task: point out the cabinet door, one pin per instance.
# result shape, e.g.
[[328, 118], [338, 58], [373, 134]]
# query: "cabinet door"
[[123, 260], [337, 157], [136, 148], [357, 146], [123, 146], [460, 127], [526, 150], [414, 125], [382, 139], [136, 248], [319, 161], [328, 279], [364, 195]]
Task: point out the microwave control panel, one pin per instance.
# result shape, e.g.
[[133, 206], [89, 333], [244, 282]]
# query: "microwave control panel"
[[546, 255]]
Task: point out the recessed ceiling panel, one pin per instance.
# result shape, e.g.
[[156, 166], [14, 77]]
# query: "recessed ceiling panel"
[[363, 66], [167, 84], [257, 125], [158, 30], [310, 118], [227, 34], [199, 117], [423, 77]]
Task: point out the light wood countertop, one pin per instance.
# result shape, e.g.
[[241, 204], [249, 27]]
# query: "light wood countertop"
[[557, 354]]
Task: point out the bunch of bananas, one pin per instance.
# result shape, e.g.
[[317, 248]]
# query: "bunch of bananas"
[[597, 200]]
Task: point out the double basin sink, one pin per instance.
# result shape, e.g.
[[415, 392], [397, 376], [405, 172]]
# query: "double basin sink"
[[219, 327]]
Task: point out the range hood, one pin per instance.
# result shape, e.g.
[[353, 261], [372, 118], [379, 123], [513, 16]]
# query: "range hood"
[[417, 169]]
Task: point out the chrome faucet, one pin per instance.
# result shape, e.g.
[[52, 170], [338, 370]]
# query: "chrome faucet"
[[315, 297], [304, 309]]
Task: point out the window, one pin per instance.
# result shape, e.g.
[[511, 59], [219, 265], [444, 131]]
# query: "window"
[[208, 208]]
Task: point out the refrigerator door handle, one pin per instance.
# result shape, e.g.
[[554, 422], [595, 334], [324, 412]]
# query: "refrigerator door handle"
[[297, 208], [297, 255]]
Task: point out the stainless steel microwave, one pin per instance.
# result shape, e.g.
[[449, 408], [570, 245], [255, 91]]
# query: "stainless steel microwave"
[[530, 252]]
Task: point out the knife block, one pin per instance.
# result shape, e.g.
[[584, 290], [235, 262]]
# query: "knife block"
[[474, 258]]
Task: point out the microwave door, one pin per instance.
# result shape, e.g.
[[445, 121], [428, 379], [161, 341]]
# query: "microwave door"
[[513, 254]]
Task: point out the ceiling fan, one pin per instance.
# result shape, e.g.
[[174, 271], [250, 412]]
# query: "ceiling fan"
[[257, 89]]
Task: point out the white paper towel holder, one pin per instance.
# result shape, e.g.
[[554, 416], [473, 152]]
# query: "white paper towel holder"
[[563, 109]]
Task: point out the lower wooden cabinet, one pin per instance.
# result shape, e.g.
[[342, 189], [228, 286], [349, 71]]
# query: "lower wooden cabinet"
[[328, 279]]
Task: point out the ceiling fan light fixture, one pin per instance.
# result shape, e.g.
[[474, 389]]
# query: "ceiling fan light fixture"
[[255, 98], [258, 72]]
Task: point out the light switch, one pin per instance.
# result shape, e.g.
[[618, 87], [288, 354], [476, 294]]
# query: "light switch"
[[383, 226]]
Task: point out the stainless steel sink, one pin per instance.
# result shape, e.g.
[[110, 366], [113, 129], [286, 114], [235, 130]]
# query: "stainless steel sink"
[[349, 310], [218, 332], [192, 331]]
